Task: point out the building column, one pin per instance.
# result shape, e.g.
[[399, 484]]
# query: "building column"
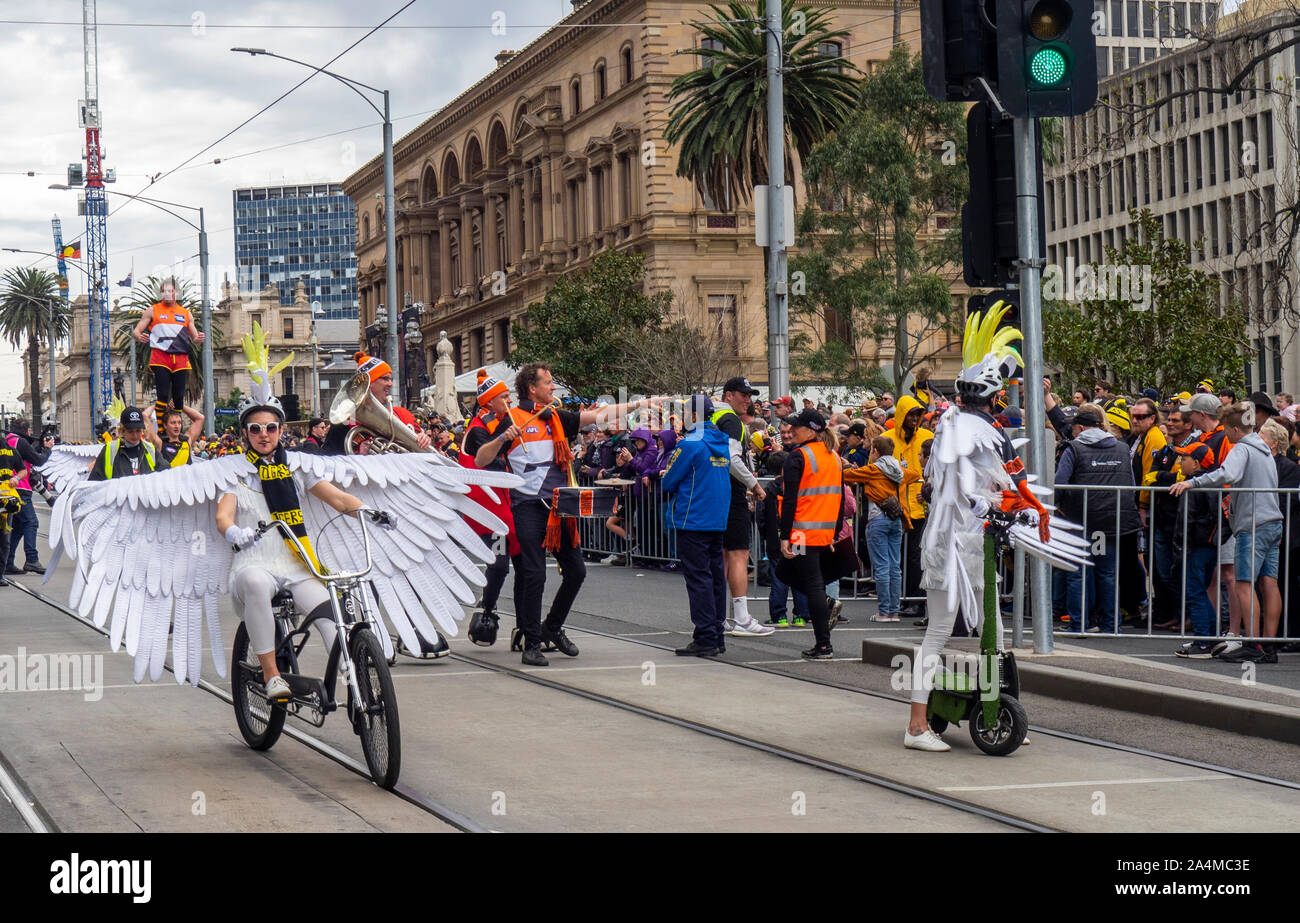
[[490, 261], [444, 260], [547, 211], [467, 274], [515, 243]]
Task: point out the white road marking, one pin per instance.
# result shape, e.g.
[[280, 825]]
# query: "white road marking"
[[1002, 788]]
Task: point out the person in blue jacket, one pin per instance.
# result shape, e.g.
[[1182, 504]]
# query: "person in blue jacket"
[[698, 483]]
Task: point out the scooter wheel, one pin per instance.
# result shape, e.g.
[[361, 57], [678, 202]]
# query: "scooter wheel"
[[1004, 737]]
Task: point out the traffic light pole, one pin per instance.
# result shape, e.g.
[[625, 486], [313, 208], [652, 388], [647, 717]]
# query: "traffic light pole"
[[778, 316], [1031, 325]]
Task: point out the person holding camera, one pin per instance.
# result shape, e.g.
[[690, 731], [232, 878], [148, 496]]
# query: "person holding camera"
[[25, 523]]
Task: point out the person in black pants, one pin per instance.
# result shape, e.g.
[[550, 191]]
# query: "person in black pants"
[[25, 523], [542, 457]]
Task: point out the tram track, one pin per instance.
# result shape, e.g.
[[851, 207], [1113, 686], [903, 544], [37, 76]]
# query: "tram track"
[[416, 799], [1043, 731]]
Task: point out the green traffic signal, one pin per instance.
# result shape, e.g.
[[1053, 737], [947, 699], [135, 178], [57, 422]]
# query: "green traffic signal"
[[1048, 66]]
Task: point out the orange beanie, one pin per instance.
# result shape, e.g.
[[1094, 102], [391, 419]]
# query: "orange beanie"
[[375, 368]]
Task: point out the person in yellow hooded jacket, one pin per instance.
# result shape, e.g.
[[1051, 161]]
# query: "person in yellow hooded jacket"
[[908, 435]]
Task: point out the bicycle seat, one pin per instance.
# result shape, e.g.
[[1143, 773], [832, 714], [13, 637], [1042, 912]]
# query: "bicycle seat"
[[282, 598]]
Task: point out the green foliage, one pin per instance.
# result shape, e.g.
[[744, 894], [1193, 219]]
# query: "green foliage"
[[1182, 337], [589, 320], [872, 271], [127, 313], [32, 308], [719, 113]]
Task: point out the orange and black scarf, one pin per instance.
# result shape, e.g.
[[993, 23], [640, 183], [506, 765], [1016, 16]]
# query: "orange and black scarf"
[[563, 460]]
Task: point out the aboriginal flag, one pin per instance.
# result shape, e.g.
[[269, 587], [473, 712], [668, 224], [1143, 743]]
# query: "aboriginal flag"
[[71, 251]]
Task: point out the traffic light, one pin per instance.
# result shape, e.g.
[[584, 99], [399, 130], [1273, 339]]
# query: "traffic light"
[[990, 245], [1047, 57], [956, 47], [290, 404]]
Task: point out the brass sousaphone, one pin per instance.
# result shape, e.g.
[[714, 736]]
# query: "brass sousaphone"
[[376, 423]]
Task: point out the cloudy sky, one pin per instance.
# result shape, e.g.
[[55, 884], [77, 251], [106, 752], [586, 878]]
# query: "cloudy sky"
[[169, 87]]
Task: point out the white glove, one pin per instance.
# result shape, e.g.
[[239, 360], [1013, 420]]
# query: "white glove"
[[240, 536], [979, 506]]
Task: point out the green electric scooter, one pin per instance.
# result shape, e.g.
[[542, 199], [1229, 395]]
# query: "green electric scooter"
[[989, 700]]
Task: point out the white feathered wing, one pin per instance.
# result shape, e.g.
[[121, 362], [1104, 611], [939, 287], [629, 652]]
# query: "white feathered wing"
[[427, 565]]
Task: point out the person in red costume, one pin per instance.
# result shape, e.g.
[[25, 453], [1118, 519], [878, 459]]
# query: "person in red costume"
[[486, 440]]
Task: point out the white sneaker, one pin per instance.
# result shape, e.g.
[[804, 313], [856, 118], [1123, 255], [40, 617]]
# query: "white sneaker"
[[751, 629], [1226, 646], [926, 740], [277, 688], [610, 559]]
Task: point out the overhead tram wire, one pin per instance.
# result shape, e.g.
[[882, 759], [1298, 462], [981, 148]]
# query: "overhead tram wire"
[[255, 115]]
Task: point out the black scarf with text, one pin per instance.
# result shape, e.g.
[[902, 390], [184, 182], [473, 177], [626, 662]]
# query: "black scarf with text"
[[282, 497]]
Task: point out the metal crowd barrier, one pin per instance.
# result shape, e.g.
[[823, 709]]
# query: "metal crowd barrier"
[[651, 543], [1139, 556]]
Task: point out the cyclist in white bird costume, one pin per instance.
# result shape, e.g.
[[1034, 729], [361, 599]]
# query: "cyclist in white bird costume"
[[155, 553]]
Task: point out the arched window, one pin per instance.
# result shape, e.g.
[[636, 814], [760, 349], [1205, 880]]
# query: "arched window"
[[365, 227], [600, 81], [626, 54], [575, 93]]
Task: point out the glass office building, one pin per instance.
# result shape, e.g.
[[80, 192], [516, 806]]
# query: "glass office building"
[[284, 234]]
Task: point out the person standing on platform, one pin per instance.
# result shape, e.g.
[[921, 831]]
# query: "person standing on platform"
[[170, 331], [173, 447], [697, 481]]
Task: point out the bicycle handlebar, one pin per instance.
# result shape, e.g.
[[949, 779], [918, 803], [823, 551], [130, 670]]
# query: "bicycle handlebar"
[[378, 516]]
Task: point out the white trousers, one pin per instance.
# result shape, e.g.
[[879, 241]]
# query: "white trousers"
[[252, 589], [937, 633]]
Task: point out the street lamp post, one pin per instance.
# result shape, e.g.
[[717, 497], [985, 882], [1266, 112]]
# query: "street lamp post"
[[315, 355], [206, 310], [390, 212]]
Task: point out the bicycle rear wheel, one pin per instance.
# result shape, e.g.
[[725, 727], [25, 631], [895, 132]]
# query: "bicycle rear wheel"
[[259, 721], [375, 718]]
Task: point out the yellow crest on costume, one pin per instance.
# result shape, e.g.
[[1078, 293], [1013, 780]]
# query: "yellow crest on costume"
[[983, 337], [258, 358]]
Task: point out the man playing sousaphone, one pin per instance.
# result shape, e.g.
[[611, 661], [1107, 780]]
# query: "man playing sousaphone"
[[542, 456], [380, 374]]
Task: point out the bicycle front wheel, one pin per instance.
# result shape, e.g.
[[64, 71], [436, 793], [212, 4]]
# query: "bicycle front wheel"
[[259, 721], [375, 717]]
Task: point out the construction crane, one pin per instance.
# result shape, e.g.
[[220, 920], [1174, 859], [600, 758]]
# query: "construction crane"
[[101, 387]]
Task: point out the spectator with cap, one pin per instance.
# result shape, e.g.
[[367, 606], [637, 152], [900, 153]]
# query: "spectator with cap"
[[1256, 522], [811, 511], [128, 455], [856, 452], [317, 429], [886, 402], [736, 396], [1205, 386], [697, 481], [1096, 460]]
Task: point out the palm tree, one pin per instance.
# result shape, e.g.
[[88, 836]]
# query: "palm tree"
[[31, 306], [127, 313], [719, 117]]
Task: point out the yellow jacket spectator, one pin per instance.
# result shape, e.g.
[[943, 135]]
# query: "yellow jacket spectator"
[[1148, 439], [908, 435]]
